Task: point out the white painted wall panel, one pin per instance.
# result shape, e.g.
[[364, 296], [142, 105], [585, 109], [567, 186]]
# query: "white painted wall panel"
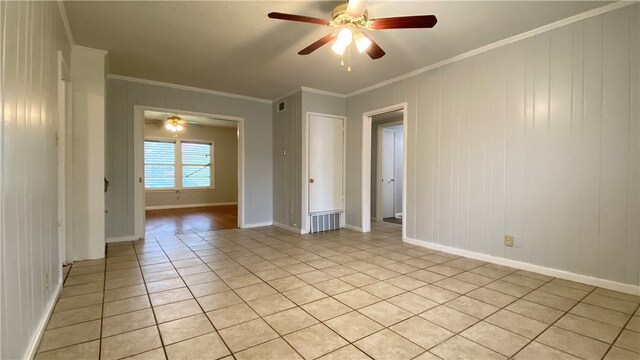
[[31, 35], [538, 138], [287, 132]]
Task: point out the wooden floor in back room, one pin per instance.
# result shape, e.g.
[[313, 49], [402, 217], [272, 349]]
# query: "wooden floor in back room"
[[180, 221]]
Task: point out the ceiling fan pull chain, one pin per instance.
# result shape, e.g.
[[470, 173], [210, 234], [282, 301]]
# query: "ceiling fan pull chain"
[[349, 60]]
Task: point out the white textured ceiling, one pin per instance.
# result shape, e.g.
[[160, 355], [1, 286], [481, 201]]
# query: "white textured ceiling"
[[232, 46]]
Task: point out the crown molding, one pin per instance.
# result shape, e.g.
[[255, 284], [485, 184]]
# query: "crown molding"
[[497, 44], [311, 90], [88, 49], [188, 88], [323, 92], [65, 22]]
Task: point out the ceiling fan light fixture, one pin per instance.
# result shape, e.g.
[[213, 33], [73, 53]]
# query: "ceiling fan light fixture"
[[174, 123], [338, 48], [362, 42], [345, 37]]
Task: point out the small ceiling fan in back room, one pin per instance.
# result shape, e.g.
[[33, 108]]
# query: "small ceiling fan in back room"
[[351, 22]]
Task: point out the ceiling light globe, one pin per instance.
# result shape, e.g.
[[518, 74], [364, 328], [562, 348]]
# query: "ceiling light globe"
[[345, 36], [362, 43], [338, 48]]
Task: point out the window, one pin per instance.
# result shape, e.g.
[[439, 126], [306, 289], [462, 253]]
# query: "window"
[[159, 164], [196, 164], [177, 164]]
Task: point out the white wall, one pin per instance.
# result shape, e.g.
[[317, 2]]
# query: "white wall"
[[538, 138], [225, 173], [88, 84], [287, 137], [122, 95], [31, 35]]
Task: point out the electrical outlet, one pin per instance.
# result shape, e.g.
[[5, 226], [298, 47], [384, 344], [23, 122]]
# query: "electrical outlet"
[[508, 240]]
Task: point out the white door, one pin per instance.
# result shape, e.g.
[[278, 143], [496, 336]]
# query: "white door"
[[326, 167], [387, 180]]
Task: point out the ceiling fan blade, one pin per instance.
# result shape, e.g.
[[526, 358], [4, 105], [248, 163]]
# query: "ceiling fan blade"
[[405, 22], [299, 18], [356, 7], [316, 45], [374, 50]]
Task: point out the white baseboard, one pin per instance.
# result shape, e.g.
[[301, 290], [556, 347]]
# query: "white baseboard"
[[263, 224], [32, 348], [122, 238], [186, 206], [290, 228], [354, 228], [603, 283]]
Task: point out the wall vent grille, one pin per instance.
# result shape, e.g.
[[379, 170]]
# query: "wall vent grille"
[[325, 222], [282, 106]]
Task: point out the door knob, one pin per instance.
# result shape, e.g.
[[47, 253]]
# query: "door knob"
[[311, 180]]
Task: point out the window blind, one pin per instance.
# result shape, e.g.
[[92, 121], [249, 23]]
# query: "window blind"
[[159, 164], [196, 164]]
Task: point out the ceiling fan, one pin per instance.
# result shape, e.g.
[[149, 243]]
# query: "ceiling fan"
[[352, 19], [173, 123]]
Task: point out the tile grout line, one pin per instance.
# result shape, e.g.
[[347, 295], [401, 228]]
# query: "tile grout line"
[[621, 331], [155, 319], [553, 323]]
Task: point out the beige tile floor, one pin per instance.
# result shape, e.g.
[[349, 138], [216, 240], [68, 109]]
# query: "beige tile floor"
[[271, 294]]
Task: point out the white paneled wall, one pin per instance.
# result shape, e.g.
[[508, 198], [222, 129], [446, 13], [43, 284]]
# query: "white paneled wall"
[[32, 33], [287, 171], [538, 138]]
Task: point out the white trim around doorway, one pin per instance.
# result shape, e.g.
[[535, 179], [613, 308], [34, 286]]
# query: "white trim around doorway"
[[365, 206]]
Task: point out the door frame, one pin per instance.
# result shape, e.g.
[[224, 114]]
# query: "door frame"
[[305, 225], [379, 216], [365, 184], [64, 154], [138, 155]]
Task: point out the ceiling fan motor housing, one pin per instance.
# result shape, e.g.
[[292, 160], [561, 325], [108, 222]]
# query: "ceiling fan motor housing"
[[341, 17]]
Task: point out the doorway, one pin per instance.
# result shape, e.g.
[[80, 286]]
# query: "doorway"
[[384, 171], [387, 142], [189, 171]]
